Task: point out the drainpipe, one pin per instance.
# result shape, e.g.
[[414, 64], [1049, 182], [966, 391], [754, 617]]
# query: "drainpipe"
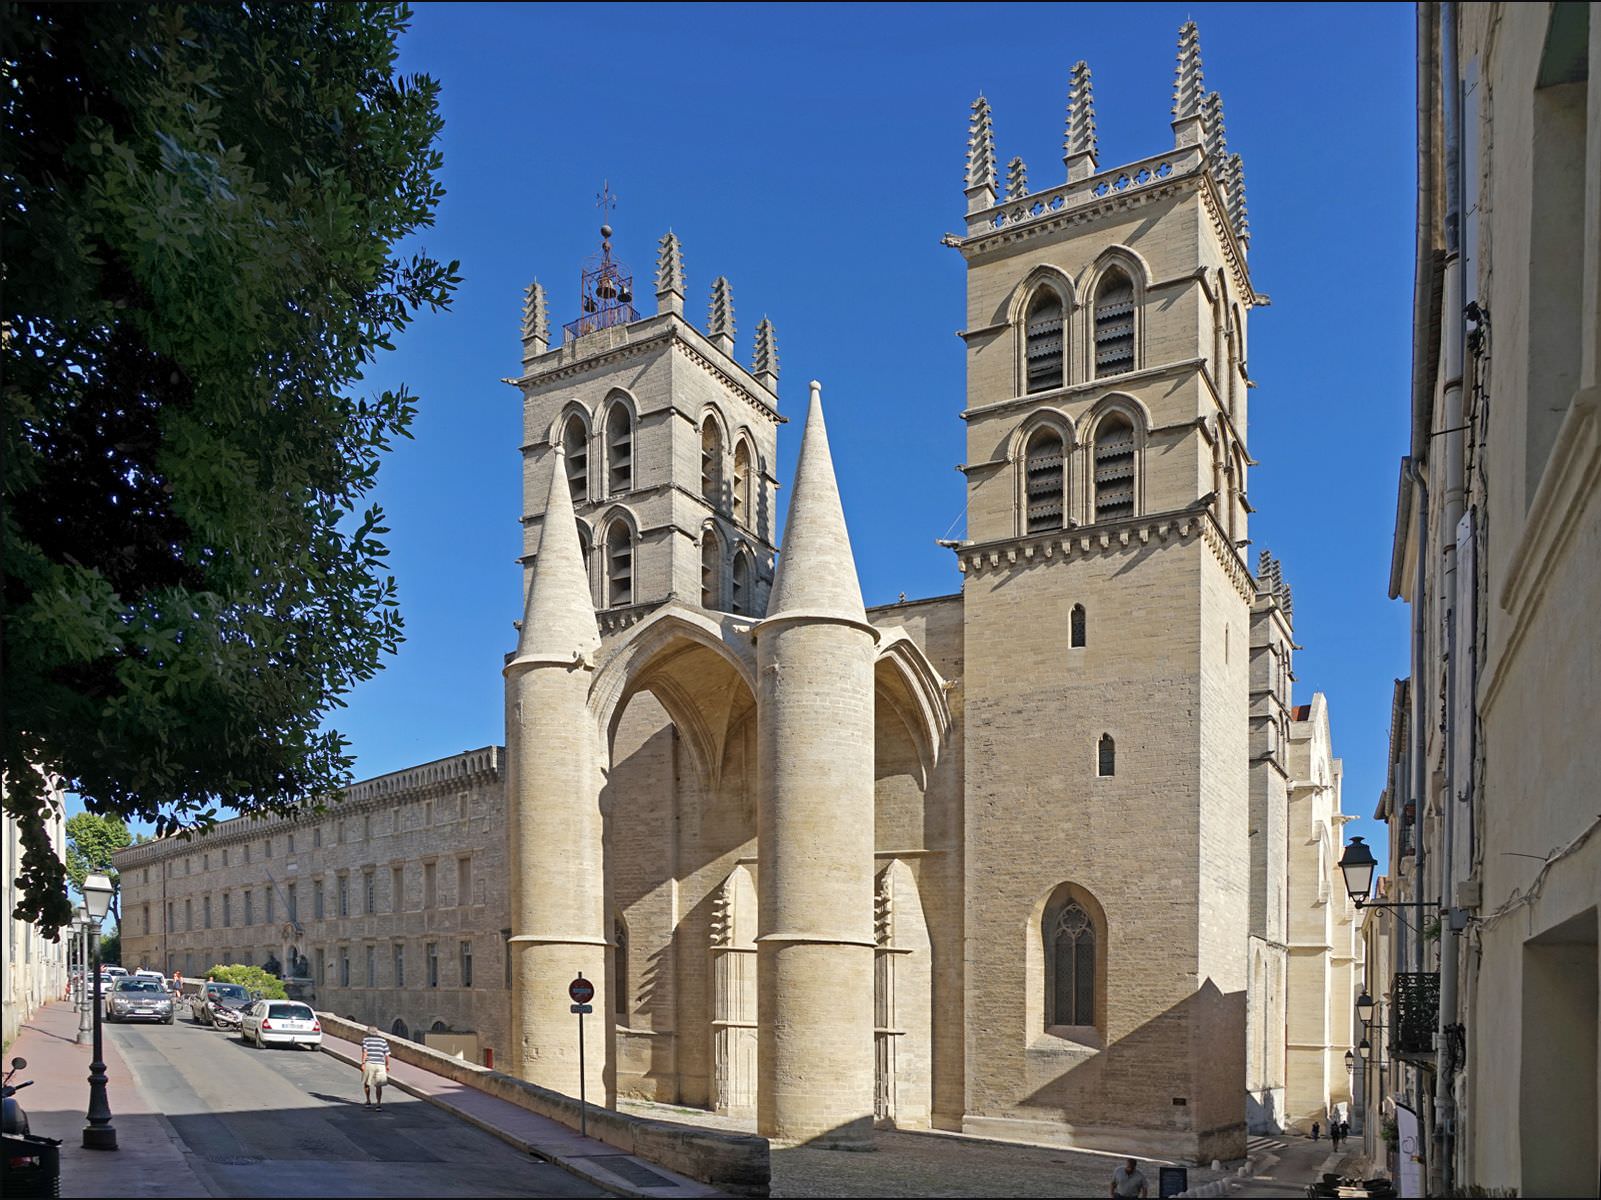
[[1453, 503]]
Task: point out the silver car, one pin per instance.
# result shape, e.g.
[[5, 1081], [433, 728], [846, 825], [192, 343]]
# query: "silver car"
[[139, 1000]]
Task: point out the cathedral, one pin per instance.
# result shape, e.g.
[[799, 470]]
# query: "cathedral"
[[1010, 861]]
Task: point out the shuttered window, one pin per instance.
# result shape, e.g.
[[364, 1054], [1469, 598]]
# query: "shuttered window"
[[711, 570], [619, 566], [1043, 468], [1114, 325], [742, 485], [1114, 469], [619, 450], [575, 447], [1044, 342], [711, 463], [741, 603]]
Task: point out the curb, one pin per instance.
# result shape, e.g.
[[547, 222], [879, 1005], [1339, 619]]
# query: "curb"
[[595, 1175]]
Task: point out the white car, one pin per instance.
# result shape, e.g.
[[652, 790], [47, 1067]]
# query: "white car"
[[280, 1023]]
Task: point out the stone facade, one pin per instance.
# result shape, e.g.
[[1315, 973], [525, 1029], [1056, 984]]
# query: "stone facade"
[[35, 969], [1498, 551], [394, 897]]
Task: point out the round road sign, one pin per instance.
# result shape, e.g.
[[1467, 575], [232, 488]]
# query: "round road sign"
[[581, 990]]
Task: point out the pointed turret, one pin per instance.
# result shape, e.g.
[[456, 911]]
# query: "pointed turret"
[[765, 364], [1235, 191], [1188, 88], [816, 570], [1078, 142], [536, 322], [1016, 179], [980, 158], [1214, 137], [559, 617], [720, 318], [670, 275]]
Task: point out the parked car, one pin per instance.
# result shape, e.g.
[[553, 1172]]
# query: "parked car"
[[213, 997], [156, 975], [139, 1000], [281, 1023]]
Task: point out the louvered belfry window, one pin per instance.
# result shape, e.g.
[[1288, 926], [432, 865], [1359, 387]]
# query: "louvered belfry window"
[[1044, 342], [711, 463], [619, 451], [1043, 467], [619, 566], [1114, 325], [1114, 469], [575, 446], [711, 562], [742, 585], [742, 504]]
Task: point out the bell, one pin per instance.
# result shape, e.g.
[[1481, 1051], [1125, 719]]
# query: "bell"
[[589, 304], [625, 295], [606, 289]]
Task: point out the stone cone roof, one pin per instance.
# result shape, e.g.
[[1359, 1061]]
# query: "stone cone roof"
[[816, 570], [559, 619]]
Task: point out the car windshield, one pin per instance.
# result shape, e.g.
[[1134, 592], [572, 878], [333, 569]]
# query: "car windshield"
[[290, 1012], [227, 991], [137, 985]]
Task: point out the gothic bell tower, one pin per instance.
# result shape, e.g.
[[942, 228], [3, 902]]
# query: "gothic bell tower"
[[667, 441], [1104, 585]]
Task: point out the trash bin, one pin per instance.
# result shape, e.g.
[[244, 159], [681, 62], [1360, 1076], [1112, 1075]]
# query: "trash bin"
[[30, 1166]]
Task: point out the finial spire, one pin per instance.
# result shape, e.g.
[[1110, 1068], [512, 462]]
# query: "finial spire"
[[720, 320], [1214, 136], [1235, 193], [816, 570], [559, 618], [1188, 87], [765, 364], [980, 158], [1078, 142], [670, 275], [1016, 179], [536, 322]]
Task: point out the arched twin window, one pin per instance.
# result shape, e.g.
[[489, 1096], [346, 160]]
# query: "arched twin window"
[[711, 569], [619, 565], [742, 483], [1114, 324], [575, 449], [711, 462], [619, 450], [1044, 470], [1114, 468], [1044, 342]]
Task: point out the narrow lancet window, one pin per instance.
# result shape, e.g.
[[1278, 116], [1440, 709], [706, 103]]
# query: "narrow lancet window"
[[1044, 341], [1043, 467], [1106, 757], [711, 570], [1114, 468], [1076, 638], [619, 566], [619, 450], [575, 448], [1114, 325], [1073, 975], [742, 601], [711, 463], [742, 484]]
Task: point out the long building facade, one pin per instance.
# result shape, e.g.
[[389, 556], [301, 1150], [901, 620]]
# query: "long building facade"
[[35, 967], [1015, 861]]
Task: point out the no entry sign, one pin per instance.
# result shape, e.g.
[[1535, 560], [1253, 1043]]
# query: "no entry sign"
[[581, 990]]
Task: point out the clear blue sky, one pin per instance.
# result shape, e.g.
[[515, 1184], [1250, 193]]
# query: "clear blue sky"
[[814, 156]]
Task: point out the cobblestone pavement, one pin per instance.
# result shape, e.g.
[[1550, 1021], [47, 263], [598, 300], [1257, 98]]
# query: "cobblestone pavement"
[[930, 1164]]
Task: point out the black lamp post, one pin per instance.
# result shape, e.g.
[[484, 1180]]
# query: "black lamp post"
[[98, 1134], [1364, 1046], [1364, 1006], [1358, 865], [1350, 1060]]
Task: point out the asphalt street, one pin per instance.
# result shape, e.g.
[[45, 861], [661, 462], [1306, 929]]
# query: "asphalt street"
[[290, 1122]]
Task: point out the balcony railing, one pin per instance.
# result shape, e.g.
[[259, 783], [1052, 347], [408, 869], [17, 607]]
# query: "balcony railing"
[[1415, 1012]]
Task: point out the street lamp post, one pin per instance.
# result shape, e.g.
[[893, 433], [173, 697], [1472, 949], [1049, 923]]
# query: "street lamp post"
[[80, 925], [98, 1134]]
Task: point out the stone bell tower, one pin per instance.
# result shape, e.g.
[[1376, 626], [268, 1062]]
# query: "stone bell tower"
[[1105, 585]]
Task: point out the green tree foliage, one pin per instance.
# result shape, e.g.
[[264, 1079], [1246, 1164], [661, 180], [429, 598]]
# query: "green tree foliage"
[[253, 978], [111, 948], [91, 841], [201, 211]]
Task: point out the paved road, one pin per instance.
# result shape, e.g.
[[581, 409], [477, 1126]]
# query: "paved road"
[[285, 1122]]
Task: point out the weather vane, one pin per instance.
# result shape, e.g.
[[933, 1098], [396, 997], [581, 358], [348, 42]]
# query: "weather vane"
[[605, 200]]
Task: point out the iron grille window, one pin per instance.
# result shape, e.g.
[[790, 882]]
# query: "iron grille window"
[[1043, 466], [369, 887], [1415, 1013], [1114, 325], [433, 964], [343, 888], [619, 450], [1044, 342], [1076, 632], [1106, 757], [1114, 469], [467, 964]]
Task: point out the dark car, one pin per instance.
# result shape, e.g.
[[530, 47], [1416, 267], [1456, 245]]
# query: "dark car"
[[139, 1000], [213, 996]]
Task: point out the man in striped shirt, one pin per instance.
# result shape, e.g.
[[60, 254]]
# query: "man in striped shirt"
[[374, 1067]]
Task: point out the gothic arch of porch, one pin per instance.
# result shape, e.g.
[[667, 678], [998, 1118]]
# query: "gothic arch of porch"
[[904, 678]]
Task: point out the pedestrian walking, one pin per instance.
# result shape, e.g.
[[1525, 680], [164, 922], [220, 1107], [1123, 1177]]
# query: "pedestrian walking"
[[1334, 1133], [374, 1067], [1128, 1180], [1315, 1130]]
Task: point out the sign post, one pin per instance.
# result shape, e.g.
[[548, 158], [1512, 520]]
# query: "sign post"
[[582, 992]]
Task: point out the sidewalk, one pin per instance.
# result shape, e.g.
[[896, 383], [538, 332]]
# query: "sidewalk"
[[1289, 1162], [588, 1158], [149, 1160]]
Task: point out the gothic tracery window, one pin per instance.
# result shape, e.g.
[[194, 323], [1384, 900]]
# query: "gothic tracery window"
[[1114, 325], [1043, 467], [1071, 942], [1043, 341]]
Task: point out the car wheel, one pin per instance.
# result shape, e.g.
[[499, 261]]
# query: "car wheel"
[[171, 1017]]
